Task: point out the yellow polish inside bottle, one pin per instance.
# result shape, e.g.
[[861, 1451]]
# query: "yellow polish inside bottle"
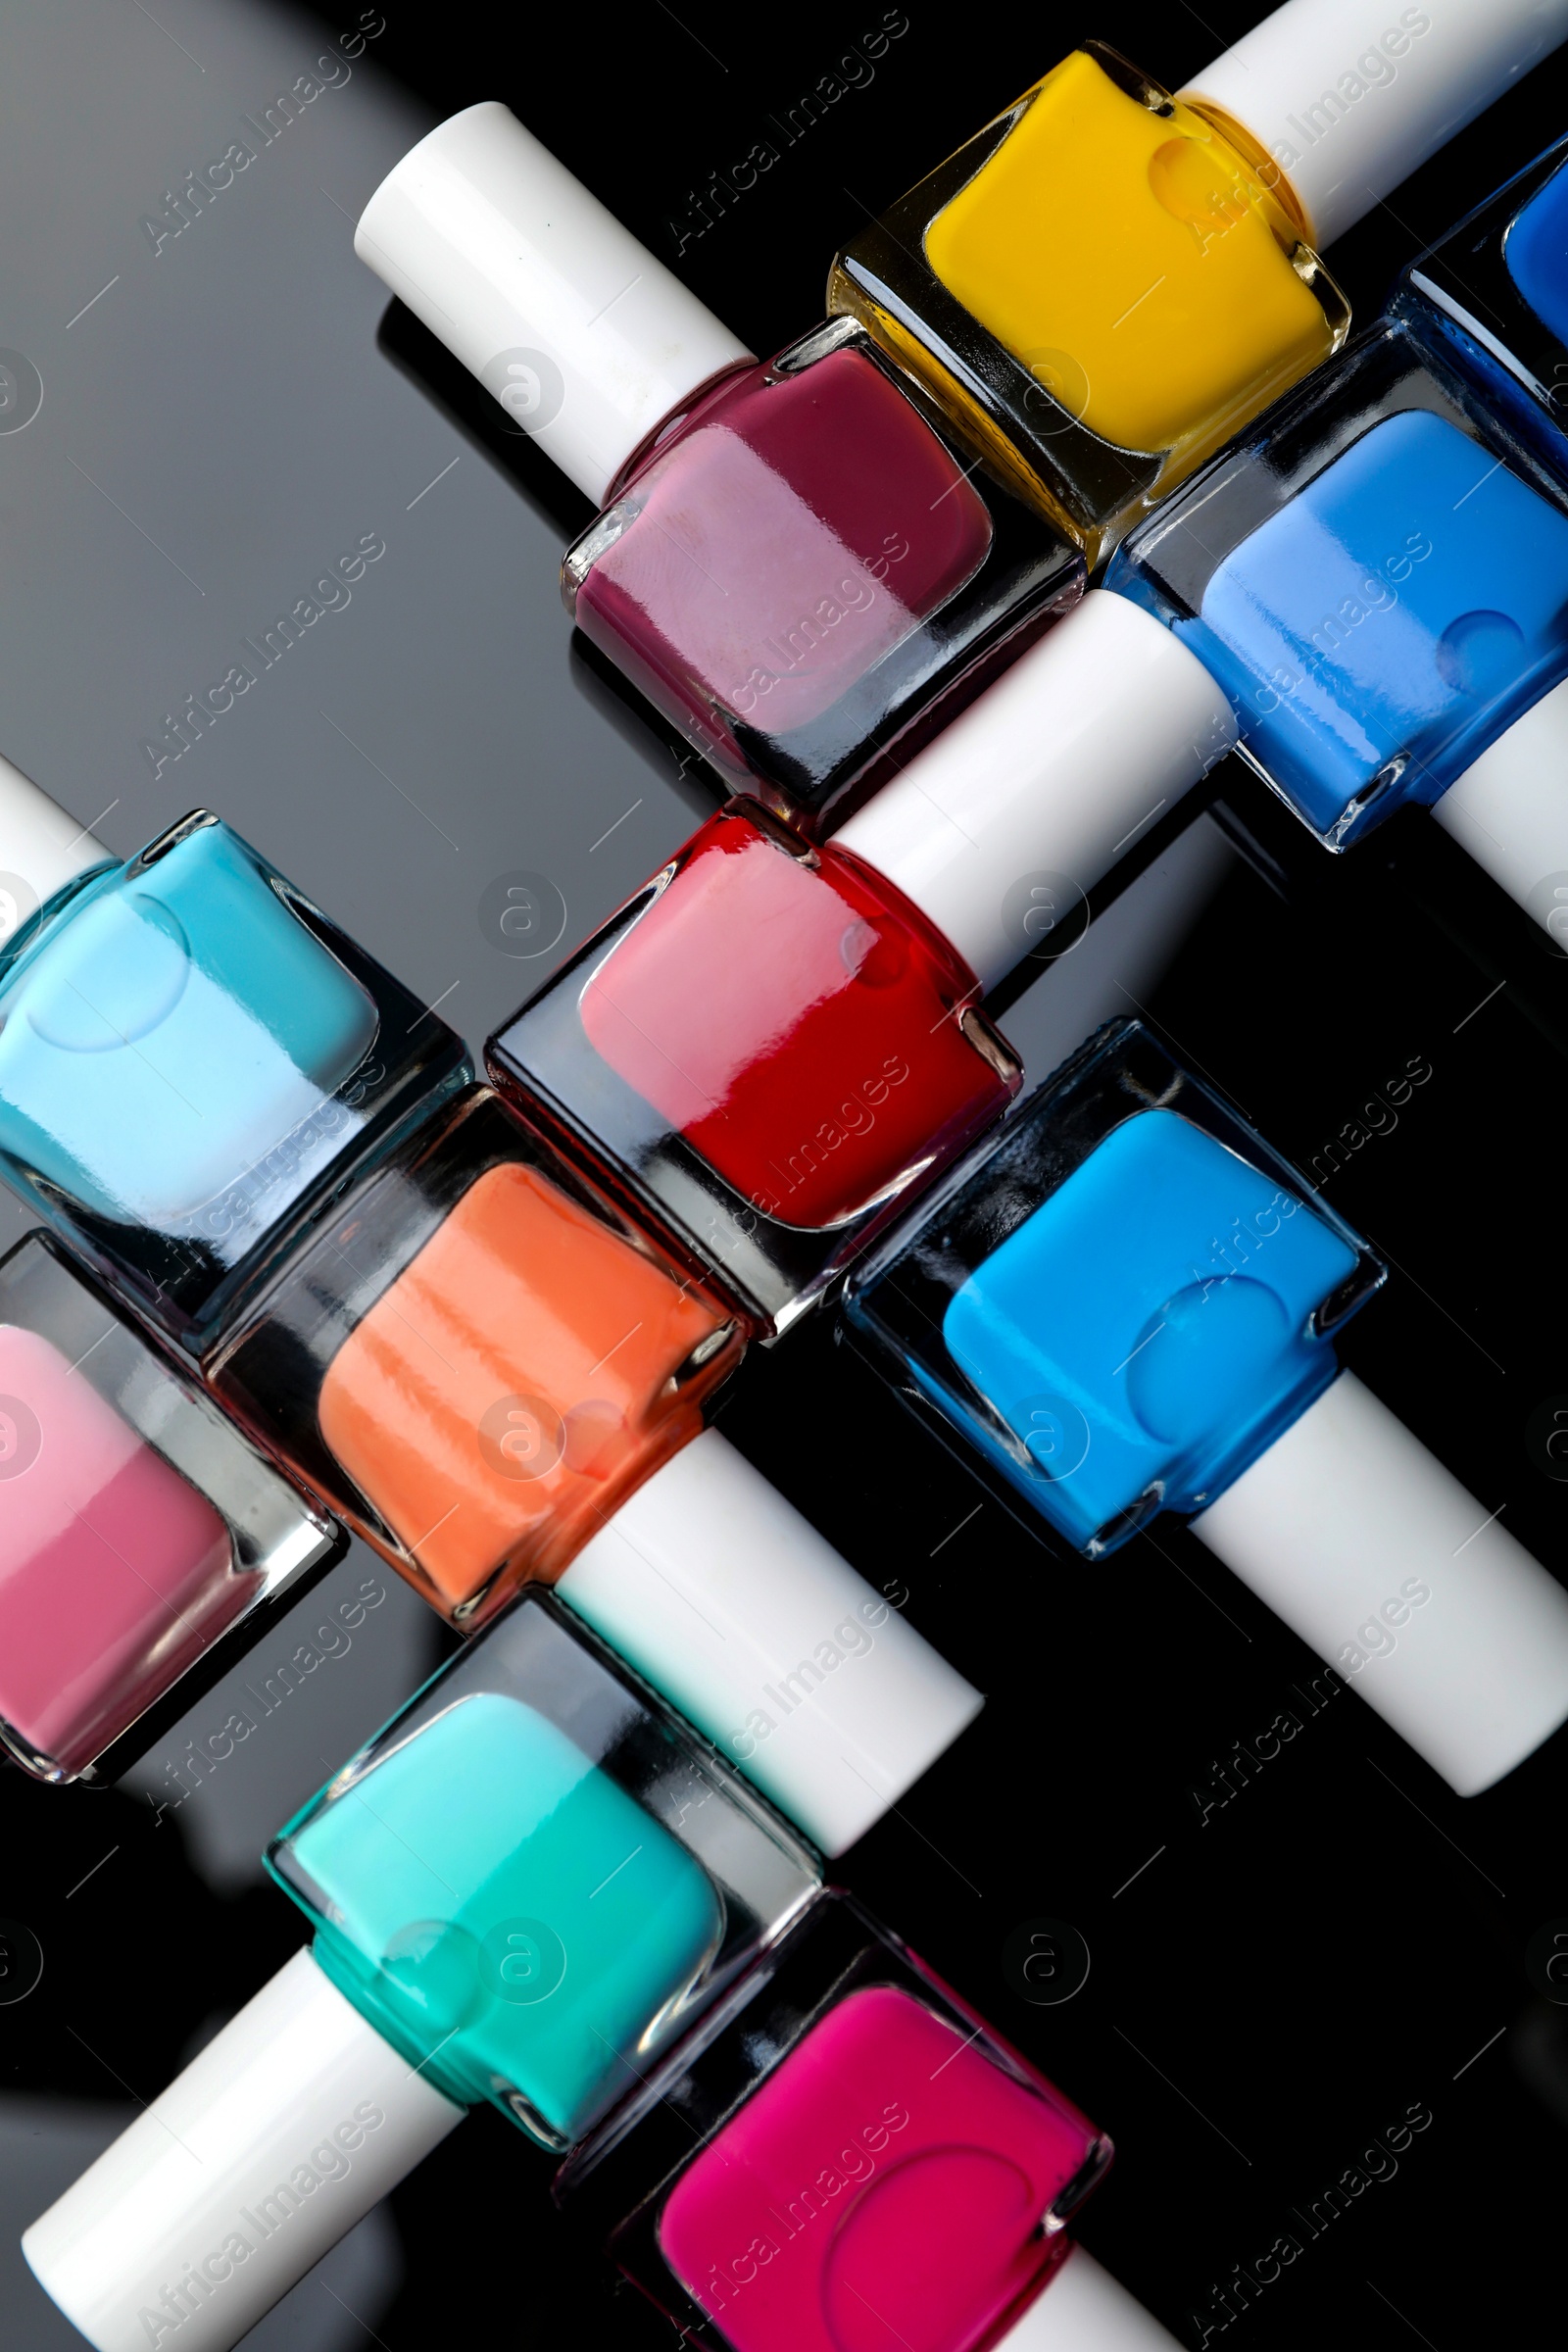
[[1136, 262]]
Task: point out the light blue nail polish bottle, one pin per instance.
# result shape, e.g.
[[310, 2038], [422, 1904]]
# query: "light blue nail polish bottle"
[[189, 1055]]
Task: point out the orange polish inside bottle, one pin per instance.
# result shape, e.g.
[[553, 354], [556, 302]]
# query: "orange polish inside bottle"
[[523, 1374]]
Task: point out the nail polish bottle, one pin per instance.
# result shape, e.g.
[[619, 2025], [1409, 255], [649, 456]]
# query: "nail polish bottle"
[[857, 2158], [537, 1859], [137, 1529], [1107, 282], [190, 1054], [767, 1047], [475, 1357], [1128, 1305], [527, 1888], [1493, 295], [774, 1045], [895, 579], [1377, 576], [496, 1380]]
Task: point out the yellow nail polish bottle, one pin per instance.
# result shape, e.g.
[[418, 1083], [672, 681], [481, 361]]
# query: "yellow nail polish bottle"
[[1106, 283]]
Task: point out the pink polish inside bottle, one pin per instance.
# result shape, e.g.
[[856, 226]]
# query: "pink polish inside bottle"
[[887, 2185], [770, 562], [115, 1573], [800, 570]]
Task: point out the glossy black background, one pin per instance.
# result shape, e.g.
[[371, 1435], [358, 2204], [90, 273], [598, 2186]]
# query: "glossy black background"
[[1268, 1992]]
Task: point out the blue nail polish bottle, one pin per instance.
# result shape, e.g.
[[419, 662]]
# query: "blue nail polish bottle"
[[1491, 297], [1536, 253], [190, 1054], [1126, 1305], [1378, 578], [1122, 1303], [535, 1877]]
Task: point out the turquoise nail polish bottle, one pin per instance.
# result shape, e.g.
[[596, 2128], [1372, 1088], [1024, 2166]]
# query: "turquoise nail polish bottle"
[[534, 1879]]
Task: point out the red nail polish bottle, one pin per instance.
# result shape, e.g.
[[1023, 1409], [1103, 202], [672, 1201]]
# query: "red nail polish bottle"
[[768, 1047], [773, 1045]]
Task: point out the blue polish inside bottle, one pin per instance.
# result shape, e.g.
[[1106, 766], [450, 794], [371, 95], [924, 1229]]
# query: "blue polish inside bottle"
[[1535, 253], [1394, 619], [166, 1029], [502, 1911], [1146, 1333]]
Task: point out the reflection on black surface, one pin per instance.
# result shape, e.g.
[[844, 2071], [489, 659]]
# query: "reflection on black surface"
[[462, 399], [425, 362], [1539, 2053]]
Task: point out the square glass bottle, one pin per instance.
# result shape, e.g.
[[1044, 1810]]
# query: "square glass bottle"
[[1098, 288], [536, 1878], [800, 572], [137, 1528], [761, 1055], [1493, 294], [191, 1055], [1378, 578], [1122, 1303], [789, 559], [856, 2158], [476, 1357]]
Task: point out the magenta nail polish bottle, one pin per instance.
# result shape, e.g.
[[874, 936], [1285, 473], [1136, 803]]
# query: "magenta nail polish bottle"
[[858, 2160]]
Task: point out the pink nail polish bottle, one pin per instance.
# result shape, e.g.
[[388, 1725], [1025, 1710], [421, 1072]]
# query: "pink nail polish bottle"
[[137, 1528], [796, 561]]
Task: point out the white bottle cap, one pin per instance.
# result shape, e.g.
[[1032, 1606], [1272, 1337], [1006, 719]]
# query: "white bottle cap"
[[1351, 96], [1048, 777], [41, 848], [1510, 811], [283, 2134], [1400, 1580], [730, 1603], [1084, 2310], [586, 340]]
